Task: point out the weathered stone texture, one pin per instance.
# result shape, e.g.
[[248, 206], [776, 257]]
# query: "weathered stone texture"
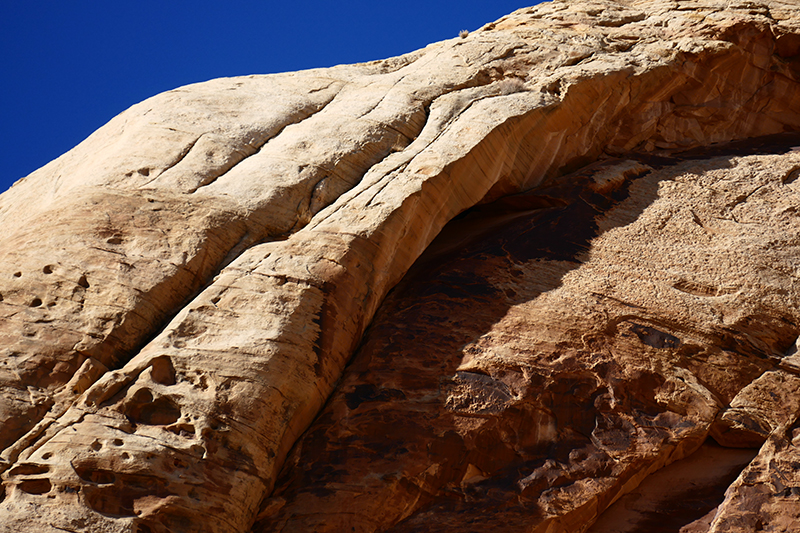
[[181, 293], [540, 369]]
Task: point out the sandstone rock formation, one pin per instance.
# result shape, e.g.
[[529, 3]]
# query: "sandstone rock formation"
[[592, 207]]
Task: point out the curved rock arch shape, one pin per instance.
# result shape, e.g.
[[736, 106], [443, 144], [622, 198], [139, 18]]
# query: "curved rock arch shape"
[[303, 218]]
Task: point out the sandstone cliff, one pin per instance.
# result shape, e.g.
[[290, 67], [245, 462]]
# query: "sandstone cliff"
[[494, 284]]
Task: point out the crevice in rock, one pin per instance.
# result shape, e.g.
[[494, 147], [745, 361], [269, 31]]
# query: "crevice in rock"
[[559, 238], [250, 150], [629, 123], [247, 241], [519, 157], [180, 158], [681, 497]]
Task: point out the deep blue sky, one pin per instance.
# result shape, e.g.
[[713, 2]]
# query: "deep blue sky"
[[69, 67]]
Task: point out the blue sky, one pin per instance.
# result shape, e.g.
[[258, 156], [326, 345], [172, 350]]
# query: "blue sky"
[[70, 66]]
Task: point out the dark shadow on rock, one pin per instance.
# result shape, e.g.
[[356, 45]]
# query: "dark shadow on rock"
[[390, 409], [682, 494]]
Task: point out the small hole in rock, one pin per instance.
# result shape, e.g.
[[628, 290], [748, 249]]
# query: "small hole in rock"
[[162, 370], [17, 274], [103, 478], [28, 469], [89, 472], [125, 455], [46, 456], [114, 240], [143, 396], [109, 502], [83, 283], [48, 269], [117, 442], [184, 430], [36, 302], [96, 445], [144, 171], [35, 486], [160, 412]]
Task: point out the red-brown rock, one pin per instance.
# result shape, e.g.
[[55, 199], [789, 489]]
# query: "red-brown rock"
[[494, 284]]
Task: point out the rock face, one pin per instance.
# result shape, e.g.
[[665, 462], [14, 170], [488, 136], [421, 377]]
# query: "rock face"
[[558, 254]]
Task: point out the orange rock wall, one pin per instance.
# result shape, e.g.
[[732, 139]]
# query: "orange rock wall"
[[182, 301]]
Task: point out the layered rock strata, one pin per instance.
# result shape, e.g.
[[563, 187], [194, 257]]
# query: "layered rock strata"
[[551, 350], [183, 290]]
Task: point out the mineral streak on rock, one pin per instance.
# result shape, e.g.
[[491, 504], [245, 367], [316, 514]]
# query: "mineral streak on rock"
[[181, 293]]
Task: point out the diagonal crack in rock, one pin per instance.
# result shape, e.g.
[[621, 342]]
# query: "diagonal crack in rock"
[[217, 307]]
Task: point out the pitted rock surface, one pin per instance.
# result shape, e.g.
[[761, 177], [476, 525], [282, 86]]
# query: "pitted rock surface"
[[591, 207]]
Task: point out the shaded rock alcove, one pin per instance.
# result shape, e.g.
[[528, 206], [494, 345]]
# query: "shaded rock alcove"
[[495, 283]]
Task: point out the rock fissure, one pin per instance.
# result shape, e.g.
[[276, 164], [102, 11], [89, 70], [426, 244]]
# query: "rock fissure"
[[236, 308], [252, 149], [180, 158], [710, 415]]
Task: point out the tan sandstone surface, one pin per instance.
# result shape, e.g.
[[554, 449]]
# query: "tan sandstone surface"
[[494, 284]]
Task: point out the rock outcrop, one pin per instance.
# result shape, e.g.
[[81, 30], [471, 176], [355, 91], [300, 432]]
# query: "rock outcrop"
[[559, 254]]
